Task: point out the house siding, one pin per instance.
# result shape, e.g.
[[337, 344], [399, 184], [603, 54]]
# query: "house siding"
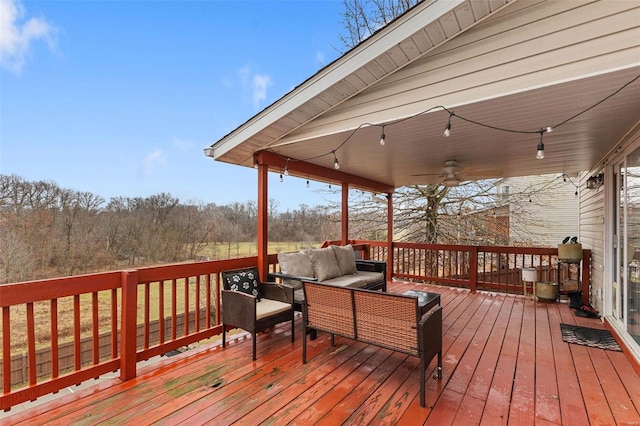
[[549, 216], [592, 235]]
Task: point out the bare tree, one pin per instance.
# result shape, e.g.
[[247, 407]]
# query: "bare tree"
[[361, 18]]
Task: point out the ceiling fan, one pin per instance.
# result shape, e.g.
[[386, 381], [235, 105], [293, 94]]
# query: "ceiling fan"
[[451, 174]]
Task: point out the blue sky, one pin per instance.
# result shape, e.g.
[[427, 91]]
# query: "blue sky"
[[119, 98]]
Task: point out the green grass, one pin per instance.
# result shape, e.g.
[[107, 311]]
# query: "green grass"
[[245, 249]]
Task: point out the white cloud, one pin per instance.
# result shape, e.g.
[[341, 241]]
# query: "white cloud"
[[255, 84], [153, 161], [260, 85], [16, 35], [320, 58]]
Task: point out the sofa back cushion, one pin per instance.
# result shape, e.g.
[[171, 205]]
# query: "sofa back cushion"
[[325, 264], [296, 264], [346, 258]]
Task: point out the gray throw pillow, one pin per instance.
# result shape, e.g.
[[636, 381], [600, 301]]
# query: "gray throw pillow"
[[325, 265], [298, 264], [346, 258]]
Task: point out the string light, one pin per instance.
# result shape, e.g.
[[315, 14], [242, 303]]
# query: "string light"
[[307, 183], [540, 153], [566, 177], [286, 167], [281, 178], [447, 132], [447, 128]]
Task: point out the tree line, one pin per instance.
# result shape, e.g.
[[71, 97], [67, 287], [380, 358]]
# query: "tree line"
[[46, 230]]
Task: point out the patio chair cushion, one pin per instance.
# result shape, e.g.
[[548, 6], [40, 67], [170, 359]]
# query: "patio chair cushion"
[[346, 258], [297, 264], [325, 264], [245, 282], [268, 307]]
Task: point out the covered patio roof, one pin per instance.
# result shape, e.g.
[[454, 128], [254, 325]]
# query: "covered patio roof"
[[507, 70]]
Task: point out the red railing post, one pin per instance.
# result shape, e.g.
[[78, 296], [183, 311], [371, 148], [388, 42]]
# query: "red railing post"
[[473, 268], [129, 320]]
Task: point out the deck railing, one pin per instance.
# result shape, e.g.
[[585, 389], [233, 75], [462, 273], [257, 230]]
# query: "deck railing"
[[493, 268], [60, 332]]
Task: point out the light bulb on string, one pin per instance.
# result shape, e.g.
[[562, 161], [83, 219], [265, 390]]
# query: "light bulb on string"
[[382, 136], [540, 152], [336, 165], [447, 128]]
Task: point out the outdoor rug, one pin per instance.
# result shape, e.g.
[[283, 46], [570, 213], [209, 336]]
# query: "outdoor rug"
[[592, 337]]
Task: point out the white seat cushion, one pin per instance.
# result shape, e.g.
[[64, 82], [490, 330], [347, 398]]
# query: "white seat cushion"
[[268, 307]]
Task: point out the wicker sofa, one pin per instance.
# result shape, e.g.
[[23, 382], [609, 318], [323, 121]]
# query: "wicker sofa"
[[389, 320], [335, 265]]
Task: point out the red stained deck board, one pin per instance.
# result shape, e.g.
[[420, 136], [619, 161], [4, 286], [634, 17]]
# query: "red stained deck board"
[[234, 390], [324, 394], [484, 317], [547, 405], [598, 410], [627, 375], [366, 378], [522, 403], [619, 401], [470, 411], [368, 405], [483, 376], [497, 406], [572, 407]]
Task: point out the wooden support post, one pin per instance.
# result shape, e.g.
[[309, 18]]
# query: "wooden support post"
[[390, 260], [345, 213], [129, 319], [263, 220]]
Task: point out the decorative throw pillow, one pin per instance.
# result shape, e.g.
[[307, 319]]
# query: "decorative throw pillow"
[[325, 265], [298, 264], [245, 282], [346, 258]]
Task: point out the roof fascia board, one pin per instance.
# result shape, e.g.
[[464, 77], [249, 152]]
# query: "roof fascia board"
[[402, 28]]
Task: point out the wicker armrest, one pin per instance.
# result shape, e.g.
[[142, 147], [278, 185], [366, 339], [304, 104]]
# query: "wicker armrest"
[[274, 291], [430, 333], [238, 309]]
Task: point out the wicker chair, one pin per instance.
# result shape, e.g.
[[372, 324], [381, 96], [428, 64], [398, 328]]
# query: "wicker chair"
[[252, 305]]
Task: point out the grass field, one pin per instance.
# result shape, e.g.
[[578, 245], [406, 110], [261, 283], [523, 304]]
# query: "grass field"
[[245, 249]]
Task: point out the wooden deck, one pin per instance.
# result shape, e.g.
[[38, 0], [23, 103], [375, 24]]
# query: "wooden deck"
[[504, 362]]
